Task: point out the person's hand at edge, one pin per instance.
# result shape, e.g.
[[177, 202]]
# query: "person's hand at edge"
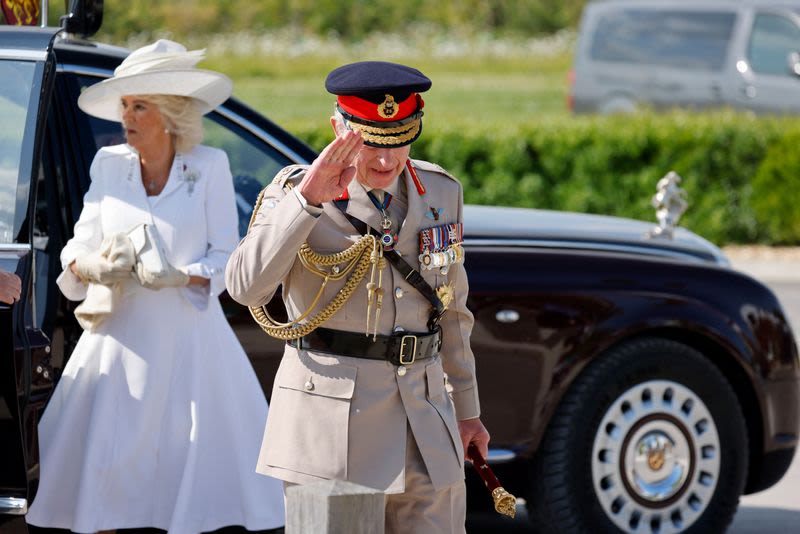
[[10, 287]]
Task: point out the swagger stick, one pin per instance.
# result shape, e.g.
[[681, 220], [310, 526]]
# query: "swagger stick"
[[504, 502]]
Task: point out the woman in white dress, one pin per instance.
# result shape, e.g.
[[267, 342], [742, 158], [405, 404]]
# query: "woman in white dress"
[[156, 421]]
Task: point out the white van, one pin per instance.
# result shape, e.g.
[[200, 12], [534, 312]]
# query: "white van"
[[687, 53]]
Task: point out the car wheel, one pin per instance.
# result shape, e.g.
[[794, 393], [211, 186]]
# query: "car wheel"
[[650, 439]]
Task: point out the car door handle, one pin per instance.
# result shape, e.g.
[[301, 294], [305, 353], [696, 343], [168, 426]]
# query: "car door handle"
[[507, 316], [748, 91]]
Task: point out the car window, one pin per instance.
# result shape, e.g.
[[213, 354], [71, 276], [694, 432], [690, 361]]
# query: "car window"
[[254, 162], [772, 39], [18, 77], [695, 40]]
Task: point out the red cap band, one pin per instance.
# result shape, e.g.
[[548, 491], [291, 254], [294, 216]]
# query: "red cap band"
[[387, 111]]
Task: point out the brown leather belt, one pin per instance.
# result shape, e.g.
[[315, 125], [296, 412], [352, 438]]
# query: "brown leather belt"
[[402, 348]]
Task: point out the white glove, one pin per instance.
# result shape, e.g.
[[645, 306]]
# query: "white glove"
[[172, 277], [112, 262]]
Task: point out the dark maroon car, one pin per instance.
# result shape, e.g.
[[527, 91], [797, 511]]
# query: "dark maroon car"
[[630, 383]]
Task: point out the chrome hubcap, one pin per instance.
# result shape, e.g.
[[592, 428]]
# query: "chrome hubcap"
[[656, 458]]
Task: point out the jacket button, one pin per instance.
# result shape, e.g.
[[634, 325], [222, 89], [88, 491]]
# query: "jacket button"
[[398, 292], [309, 385], [401, 371]]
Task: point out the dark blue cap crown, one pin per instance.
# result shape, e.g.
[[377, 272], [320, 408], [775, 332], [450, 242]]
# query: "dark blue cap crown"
[[380, 100], [371, 80]]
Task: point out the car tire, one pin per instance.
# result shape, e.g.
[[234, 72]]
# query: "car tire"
[[649, 438]]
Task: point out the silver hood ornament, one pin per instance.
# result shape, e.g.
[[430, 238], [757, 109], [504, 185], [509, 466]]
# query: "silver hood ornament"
[[670, 203]]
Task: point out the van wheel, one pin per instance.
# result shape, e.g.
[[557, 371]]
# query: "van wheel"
[[649, 439]]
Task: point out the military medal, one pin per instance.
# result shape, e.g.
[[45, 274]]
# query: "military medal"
[[440, 247], [388, 239]]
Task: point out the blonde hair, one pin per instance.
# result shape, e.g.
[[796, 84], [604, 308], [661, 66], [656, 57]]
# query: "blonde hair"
[[182, 117]]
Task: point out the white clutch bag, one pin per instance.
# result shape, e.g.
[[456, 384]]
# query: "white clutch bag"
[[149, 249]]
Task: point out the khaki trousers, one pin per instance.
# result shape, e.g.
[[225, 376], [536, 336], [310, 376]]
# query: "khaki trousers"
[[421, 509]]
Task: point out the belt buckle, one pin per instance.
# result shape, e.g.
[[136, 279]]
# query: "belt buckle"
[[403, 358]]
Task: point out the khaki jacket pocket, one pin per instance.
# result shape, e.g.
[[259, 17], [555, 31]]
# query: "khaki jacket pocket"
[[438, 398], [309, 416]]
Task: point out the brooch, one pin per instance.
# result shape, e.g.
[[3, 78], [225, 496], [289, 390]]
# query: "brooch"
[[190, 177]]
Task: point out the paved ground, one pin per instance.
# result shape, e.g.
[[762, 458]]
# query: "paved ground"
[[768, 264]]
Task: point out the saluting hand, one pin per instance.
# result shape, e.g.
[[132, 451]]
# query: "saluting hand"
[[332, 171]]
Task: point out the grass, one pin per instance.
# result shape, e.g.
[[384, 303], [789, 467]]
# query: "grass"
[[470, 92]]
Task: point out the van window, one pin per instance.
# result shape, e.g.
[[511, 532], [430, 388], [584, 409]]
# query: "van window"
[[771, 41], [696, 40]]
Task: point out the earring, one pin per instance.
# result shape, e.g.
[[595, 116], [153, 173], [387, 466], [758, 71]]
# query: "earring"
[[166, 131]]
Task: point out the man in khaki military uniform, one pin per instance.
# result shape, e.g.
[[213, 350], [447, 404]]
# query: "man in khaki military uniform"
[[383, 394]]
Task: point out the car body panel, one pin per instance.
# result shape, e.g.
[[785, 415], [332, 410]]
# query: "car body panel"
[[549, 229]]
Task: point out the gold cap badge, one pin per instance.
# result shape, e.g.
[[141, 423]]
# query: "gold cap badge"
[[388, 108]]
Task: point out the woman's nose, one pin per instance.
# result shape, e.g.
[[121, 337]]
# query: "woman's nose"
[[126, 113]]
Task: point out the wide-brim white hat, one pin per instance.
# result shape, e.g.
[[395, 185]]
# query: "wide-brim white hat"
[[162, 68]]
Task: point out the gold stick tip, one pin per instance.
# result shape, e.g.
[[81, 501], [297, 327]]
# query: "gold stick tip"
[[504, 502]]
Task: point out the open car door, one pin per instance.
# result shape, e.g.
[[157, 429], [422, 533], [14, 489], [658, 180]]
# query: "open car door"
[[27, 74]]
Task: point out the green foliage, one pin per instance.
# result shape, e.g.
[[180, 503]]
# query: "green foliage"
[[350, 19], [740, 172], [774, 186]]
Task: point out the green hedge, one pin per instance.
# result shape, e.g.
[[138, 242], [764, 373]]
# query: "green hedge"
[[350, 19], [741, 173]]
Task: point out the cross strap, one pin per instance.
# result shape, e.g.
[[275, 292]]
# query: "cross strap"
[[411, 275]]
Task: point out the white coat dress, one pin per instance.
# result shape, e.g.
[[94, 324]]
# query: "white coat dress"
[[156, 420]]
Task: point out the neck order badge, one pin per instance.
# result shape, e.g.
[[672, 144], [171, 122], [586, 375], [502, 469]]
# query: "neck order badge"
[[388, 238]]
